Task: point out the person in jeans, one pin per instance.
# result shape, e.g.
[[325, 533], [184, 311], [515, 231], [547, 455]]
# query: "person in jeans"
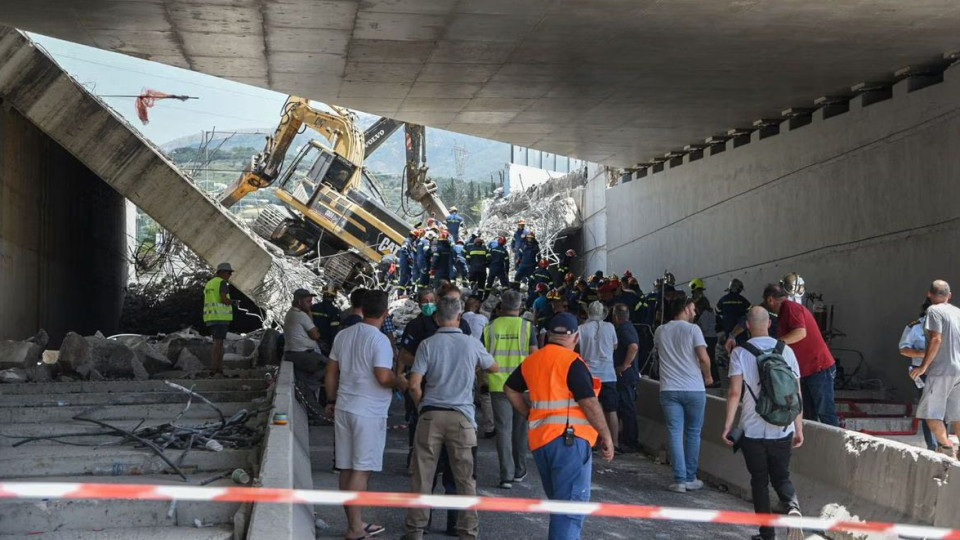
[[509, 339], [448, 362], [684, 372], [598, 340], [565, 420], [766, 447], [941, 365], [798, 328]]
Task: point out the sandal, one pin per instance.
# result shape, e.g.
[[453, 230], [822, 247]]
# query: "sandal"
[[373, 530]]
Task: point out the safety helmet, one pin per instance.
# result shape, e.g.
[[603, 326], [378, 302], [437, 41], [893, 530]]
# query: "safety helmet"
[[330, 290], [431, 234], [431, 222], [543, 263], [413, 232], [502, 240], [444, 235], [554, 295], [542, 287], [521, 221], [460, 242], [697, 284], [569, 277], [478, 241], [571, 253], [531, 235], [669, 279], [453, 208], [421, 232], [736, 286], [627, 274], [793, 285]]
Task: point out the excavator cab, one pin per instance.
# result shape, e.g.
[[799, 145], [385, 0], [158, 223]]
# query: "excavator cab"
[[315, 165]]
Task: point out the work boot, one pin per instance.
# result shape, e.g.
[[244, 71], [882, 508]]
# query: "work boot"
[[947, 451]]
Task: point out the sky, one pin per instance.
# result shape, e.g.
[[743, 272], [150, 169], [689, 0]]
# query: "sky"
[[223, 104]]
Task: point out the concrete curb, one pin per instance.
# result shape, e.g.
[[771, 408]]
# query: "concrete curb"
[[285, 464], [865, 476]]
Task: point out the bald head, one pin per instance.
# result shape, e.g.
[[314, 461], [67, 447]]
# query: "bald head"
[[758, 321], [939, 292]]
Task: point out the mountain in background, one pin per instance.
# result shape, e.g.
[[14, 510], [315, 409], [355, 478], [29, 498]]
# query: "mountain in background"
[[483, 158]]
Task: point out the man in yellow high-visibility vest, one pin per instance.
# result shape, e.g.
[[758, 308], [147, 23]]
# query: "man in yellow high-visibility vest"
[[218, 311], [509, 339]]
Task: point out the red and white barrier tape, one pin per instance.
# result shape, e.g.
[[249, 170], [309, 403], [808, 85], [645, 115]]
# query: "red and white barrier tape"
[[56, 490]]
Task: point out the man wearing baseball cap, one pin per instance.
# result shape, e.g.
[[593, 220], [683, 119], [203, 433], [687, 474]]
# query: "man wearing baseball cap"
[[218, 311], [565, 419], [300, 346]]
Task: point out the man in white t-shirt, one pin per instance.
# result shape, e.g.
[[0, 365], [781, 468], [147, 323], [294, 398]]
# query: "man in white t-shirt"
[[359, 382], [300, 344], [766, 447], [598, 340]]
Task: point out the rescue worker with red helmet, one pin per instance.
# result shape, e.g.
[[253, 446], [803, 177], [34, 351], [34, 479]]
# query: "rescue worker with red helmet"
[[441, 264], [566, 262], [540, 276], [498, 266], [477, 259]]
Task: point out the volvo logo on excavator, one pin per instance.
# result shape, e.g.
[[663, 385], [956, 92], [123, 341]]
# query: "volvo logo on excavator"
[[374, 138]]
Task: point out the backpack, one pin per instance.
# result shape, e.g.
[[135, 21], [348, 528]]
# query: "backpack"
[[779, 401]]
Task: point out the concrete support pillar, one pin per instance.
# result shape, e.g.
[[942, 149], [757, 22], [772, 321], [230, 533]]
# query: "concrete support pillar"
[[62, 239]]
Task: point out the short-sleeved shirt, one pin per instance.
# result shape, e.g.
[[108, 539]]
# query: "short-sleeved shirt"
[[945, 318], [812, 352], [626, 336], [598, 339], [708, 323], [448, 362], [579, 381], [676, 343], [358, 350], [420, 329], [742, 362], [388, 328], [477, 323], [296, 331], [913, 337]]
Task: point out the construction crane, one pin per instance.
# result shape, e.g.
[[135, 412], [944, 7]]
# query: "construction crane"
[[324, 214]]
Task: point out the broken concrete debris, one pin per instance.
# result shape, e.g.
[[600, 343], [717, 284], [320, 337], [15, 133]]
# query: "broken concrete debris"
[[127, 356]]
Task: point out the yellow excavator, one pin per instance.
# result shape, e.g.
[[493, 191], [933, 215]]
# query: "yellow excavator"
[[325, 213]]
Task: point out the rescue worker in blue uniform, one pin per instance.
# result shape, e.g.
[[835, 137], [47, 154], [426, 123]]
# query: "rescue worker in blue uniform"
[[477, 259], [563, 267], [423, 261], [460, 261], [499, 266], [454, 221], [405, 261], [731, 307], [441, 263], [913, 345], [539, 276], [519, 236], [326, 317], [527, 258]]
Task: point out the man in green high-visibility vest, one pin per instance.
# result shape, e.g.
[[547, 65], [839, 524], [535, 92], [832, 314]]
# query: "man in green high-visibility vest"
[[509, 339], [218, 311]]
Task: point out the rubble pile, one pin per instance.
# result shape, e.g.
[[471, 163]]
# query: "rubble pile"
[[184, 354], [551, 209]]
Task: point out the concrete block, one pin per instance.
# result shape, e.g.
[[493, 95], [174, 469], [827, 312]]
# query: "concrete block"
[[22, 354]]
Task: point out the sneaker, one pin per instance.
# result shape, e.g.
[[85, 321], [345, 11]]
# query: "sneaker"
[[694, 485], [795, 533], [947, 451], [678, 488], [506, 485], [520, 478]]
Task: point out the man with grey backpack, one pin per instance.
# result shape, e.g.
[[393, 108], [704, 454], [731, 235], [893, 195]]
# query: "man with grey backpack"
[[765, 374]]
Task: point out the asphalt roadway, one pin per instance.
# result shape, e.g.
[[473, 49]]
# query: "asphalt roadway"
[[629, 478]]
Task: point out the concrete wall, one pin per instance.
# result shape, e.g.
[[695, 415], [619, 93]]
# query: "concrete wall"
[[594, 232], [285, 464], [62, 239], [863, 205], [874, 479]]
